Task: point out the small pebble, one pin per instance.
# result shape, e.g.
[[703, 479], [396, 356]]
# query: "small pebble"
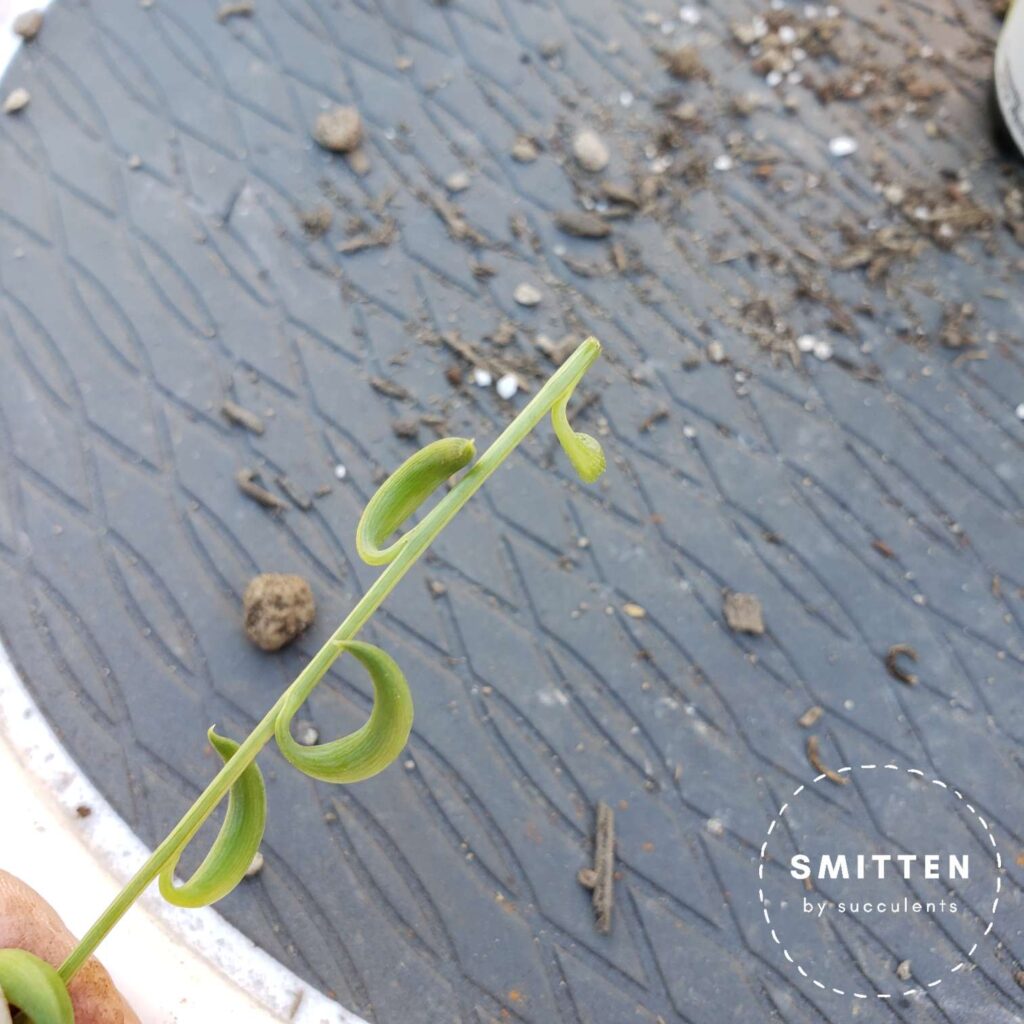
[[482, 378], [842, 145], [689, 15], [806, 343], [16, 100], [716, 352], [715, 827], [307, 734], [723, 162], [28, 25], [634, 611], [525, 150], [340, 472], [256, 865], [507, 386], [457, 182], [903, 970], [787, 35], [1020, 411], [822, 350], [527, 295], [590, 151], [743, 613], [339, 129]]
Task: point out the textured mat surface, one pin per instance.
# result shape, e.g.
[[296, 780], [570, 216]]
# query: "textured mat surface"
[[153, 262]]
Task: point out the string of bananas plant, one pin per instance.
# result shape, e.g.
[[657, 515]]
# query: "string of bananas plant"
[[38, 990]]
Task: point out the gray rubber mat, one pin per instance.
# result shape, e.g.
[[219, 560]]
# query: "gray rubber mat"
[[810, 395]]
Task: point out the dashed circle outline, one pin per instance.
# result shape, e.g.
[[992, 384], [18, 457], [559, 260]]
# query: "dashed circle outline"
[[867, 767]]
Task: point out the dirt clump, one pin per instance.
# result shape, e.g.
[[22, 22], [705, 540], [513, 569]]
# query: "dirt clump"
[[277, 607]]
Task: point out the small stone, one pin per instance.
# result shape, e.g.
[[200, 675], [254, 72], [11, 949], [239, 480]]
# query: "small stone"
[[507, 386], [1020, 411], [17, 99], [482, 378], [255, 865], [277, 607], [689, 15], [743, 613], [307, 734], [806, 343], [723, 162], [359, 162], [83, 810], [582, 224], [842, 145], [715, 827], [716, 352], [28, 25], [590, 151], [437, 588], [822, 350], [340, 472], [903, 970], [527, 294], [525, 150], [550, 48], [339, 129], [457, 182], [134, 162], [634, 611]]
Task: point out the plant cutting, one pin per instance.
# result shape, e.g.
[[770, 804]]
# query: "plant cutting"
[[38, 990]]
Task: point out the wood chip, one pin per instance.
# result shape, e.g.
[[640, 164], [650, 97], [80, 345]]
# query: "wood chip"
[[814, 758], [601, 877], [246, 479], [810, 716], [895, 669], [242, 417]]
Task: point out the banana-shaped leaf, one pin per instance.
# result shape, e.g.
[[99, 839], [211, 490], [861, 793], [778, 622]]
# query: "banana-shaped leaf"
[[236, 843], [404, 491], [584, 451], [369, 749], [34, 987]]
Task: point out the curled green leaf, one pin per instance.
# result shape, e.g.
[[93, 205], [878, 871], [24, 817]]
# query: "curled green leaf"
[[402, 494], [34, 987], [585, 452], [236, 843], [370, 748]]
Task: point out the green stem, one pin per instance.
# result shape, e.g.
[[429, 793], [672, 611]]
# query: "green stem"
[[560, 384]]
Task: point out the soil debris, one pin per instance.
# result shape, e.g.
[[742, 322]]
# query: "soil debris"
[[810, 716], [276, 608], [83, 811], [590, 151], [407, 427], [581, 224], [685, 64], [601, 877], [384, 234], [28, 25], [240, 416], [903, 970], [895, 669], [339, 129], [17, 99], [653, 419], [815, 761], [557, 351], [743, 613], [317, 221], [246, 479], [238, 9]]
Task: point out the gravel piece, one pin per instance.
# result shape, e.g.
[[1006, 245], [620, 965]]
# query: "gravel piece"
[[277, 607], [339, 129]]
